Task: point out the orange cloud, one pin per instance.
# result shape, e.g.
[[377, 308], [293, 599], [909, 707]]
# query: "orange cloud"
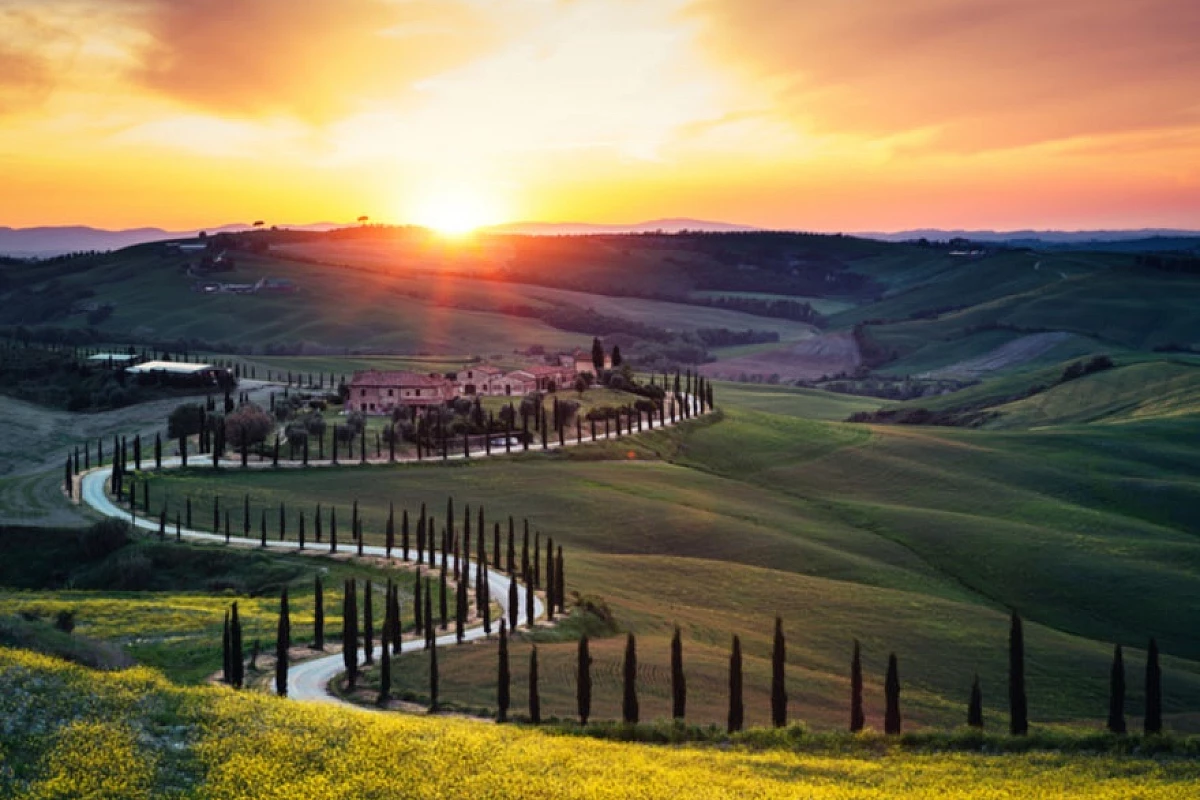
[[981, 74], [310, 59]]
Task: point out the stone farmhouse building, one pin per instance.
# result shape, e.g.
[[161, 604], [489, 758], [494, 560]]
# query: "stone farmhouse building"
[[379, 392]]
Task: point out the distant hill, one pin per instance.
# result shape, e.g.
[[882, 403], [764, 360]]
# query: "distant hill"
[[44, 242], [1128, 240], [673, 225]]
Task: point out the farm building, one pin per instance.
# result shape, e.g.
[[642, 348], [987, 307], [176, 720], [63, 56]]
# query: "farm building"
[[113, 360], [180, 373], [379, 392], [583, 361], [550, 378]]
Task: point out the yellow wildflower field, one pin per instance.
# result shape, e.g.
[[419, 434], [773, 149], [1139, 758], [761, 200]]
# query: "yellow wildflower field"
[[69, 732]]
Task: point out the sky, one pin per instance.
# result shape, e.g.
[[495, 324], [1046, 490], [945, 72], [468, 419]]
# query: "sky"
[[819, 115]]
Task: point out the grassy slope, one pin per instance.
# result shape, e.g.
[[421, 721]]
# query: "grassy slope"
[[1084, 532], [73, 733]]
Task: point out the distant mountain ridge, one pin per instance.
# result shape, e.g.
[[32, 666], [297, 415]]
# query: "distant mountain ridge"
[[43, 242], [669, 225], [1034, 236]]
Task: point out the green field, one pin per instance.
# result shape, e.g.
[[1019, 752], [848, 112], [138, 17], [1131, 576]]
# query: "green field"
[[912, 540]]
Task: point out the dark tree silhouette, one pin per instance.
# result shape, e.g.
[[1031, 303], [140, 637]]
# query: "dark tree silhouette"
[[368, 632], [778, 668], [678, 680], [350, 632], [283, 637], [736, 710], [891, 687], [535, 701], [975, 706], [857, 717], [504, 678], [1017, 703], [629, 704], [318, 613]]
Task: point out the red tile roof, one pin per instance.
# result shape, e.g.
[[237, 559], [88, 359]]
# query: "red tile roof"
[[395, 378]]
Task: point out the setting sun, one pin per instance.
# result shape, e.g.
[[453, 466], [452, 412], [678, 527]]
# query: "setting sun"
[[456, 211]]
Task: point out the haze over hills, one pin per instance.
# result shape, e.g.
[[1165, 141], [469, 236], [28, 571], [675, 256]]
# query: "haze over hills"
[[1035, 237], [668, 225], [53, 240]]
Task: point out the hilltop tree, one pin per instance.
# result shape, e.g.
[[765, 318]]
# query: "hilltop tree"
[[678, 680], [502, 688], [736, 711], [616, 356], [1153, 720], [318, 613], [583, 681], [597, 356], [283, 638], [535, 702], [778, 690], [1017, 702], [857, 717], [891, 687], [975, 706], [629, 703]]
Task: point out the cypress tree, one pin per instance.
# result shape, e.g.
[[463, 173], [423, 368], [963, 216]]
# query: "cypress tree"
[[430, 633], [525, 552], [513, 605], [443, 598], [162, 523], [421, 538], [70, 486], [975, 706], [891, 719], [460, 612], [226, 654], [418, 621], [550, 591], [350, 632], [358, 535], [262, 528], [158, 451], [736, 710], [559, 582], [368, 625], [385, 658], [857, 717], [496, 545], [188, 511], [404, 533], [318, 613], [512, 552], [1153, 720], [778, 666], [228, 533], [317, 523], [583, 681], [678, 680], [629, 702], [333, 529], [389, 533], [178, 528], [504, 677], [137, 452], [529, 602], [235, 648], [246, 516], [216, 514], [300, 536], [1116, 693], [282, 640], [486, 601], [535, 702], [1017, 703]]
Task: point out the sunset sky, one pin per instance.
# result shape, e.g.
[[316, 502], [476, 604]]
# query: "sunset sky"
[[804, 114]]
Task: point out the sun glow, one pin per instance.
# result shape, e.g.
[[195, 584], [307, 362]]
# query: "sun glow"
[[457, 211]]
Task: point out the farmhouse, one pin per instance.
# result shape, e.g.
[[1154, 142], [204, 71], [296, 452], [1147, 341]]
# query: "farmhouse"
[[477, 379], [550, 378], [378, 392], [583, 361], [113, 360]]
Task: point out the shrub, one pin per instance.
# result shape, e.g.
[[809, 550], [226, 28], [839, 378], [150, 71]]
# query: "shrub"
[[105, 537], [249, 425]]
